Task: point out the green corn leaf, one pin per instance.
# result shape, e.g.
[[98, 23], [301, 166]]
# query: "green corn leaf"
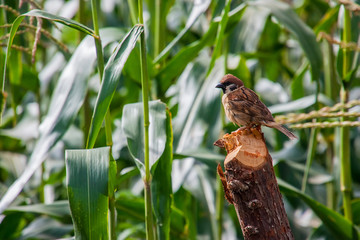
[[335, 222], [328, 20], [161, 189], [196, 11], [65, 104], [305, 35], [132, 125], [87, 180], [42, 14], [10, 224], [56, 209], [111, 77], [59, 19], [219, 36], [3, 96], [44, 227], [194, 87], [247, 33], [299, 104], [297, 89], [178, 63], [132, 208]]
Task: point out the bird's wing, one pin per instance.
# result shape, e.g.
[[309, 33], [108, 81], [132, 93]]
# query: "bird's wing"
[[246, 101]]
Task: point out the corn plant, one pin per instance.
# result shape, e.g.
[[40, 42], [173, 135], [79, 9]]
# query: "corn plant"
[[109, 113]]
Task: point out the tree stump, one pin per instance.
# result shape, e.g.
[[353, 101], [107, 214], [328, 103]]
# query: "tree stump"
[[250, 184]]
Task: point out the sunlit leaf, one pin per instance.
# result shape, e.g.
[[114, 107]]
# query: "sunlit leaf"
[[87, 181], [299, 104], [247, 33], [193, 120], [65, 103], [201, 154], [111, 77], [132, 125], [198, 108]]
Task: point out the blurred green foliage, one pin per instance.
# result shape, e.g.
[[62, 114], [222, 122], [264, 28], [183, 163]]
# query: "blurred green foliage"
[[295, 55]]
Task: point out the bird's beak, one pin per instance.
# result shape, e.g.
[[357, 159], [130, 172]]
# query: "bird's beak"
[[220, 85]]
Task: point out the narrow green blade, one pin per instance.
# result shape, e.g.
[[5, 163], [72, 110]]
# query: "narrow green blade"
[[177, 64], [196, 11], [161, 190], [65, 103], [57, 209], [304, 34], [334, 221], [111, 77], [87, 181], [42, 14], [59, 19]]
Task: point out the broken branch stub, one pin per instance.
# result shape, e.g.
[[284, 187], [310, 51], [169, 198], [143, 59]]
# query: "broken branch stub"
[[250, 184]]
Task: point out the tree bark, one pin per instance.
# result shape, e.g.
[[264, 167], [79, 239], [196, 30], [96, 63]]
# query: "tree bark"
[[250, 184]]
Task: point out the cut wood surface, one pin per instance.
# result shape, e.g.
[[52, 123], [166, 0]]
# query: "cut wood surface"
[[250, 184]]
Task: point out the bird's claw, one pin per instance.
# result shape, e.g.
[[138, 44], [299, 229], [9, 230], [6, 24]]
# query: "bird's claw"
[[241, 130]]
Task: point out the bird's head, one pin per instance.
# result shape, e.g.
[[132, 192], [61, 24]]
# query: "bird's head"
[[229, 83]]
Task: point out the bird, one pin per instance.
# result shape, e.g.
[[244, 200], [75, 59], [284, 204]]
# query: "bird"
[[243, 107]]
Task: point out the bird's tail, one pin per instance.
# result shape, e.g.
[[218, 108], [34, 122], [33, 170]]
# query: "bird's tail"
[[281, 128]]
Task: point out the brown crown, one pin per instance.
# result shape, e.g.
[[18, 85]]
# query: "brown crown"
[[228, 78]]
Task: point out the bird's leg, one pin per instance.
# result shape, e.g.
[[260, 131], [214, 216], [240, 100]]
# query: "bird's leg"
[[256, 126], [256, 130], [241, 129]]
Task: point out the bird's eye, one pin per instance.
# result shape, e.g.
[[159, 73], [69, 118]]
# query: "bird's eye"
[[232, 87]]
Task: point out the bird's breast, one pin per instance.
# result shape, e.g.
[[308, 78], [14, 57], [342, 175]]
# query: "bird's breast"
[[234, 115]]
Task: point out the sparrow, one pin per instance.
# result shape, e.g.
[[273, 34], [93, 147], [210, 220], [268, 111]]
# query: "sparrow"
[[243, 106]]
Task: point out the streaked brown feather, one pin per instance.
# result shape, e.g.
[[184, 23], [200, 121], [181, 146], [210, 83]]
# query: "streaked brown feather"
[[243, 106], [245, 100]]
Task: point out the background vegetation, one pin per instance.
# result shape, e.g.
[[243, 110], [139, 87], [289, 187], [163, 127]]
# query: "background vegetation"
[[158, 63]]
